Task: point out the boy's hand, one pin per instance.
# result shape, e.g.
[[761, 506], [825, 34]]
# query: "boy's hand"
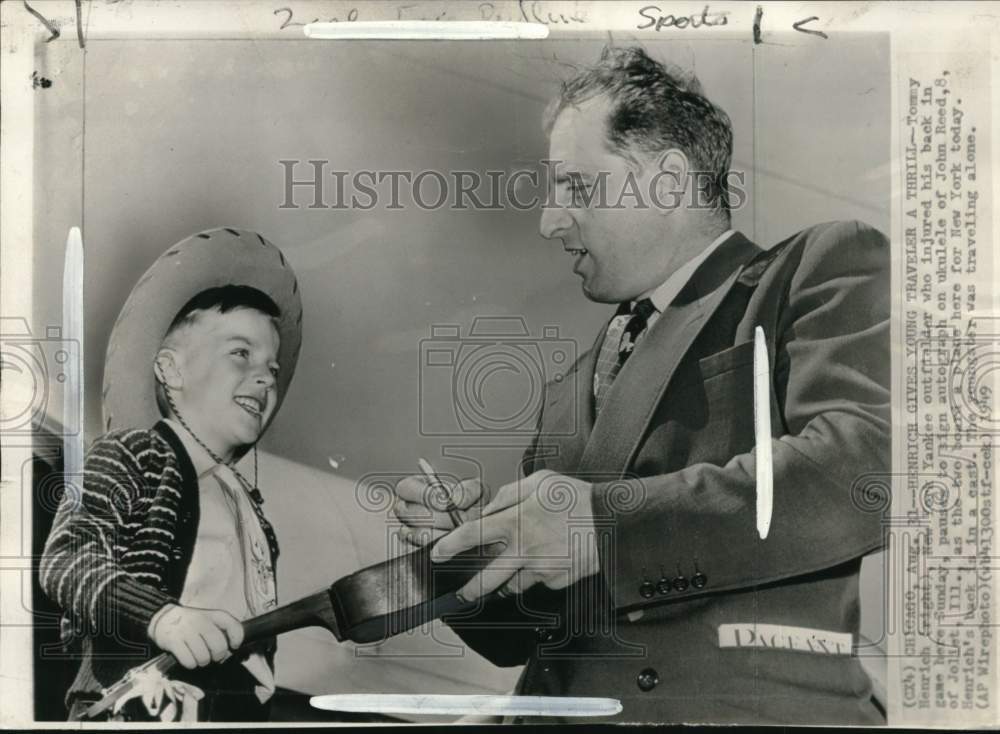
[[196, 637]]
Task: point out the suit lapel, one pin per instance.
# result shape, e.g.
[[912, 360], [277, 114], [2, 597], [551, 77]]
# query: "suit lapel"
[[569, 413], [639, 387]]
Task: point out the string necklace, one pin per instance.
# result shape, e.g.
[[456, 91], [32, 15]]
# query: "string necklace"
[[254, 493]]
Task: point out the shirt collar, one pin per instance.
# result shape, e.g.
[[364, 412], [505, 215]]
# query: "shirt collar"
[[664, 294], [202, 461]]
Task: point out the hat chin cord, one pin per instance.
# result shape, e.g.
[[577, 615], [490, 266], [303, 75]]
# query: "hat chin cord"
[[254, 493]]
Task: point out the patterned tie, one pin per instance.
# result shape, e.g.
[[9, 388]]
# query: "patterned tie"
[[619, 342]]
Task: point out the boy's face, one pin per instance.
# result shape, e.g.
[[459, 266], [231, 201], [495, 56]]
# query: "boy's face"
[[227, 364]]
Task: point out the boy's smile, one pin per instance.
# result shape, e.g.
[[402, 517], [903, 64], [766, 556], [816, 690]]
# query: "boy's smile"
[[253, 406], [227, 363]]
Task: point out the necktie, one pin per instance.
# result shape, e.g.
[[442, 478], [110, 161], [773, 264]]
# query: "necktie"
[[619, 342]]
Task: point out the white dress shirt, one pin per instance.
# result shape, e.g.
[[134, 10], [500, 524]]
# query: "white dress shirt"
[[664, 294]]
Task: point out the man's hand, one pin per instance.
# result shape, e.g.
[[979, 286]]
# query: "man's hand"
[[546, 520], [196, 637], [421, 506]]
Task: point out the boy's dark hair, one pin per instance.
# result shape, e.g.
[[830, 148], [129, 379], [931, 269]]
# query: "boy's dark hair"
[[655, 108], [223, 299]]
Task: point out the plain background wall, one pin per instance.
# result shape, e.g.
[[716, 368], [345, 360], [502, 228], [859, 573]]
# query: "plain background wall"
[[167, 138]]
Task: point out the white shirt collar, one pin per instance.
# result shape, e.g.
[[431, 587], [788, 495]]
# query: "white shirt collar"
[[664, 294]]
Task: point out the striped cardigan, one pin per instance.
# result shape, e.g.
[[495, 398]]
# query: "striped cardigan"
[[120, 549]]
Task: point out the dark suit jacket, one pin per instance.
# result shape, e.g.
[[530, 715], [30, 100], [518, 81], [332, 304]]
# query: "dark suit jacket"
[[671, 457]]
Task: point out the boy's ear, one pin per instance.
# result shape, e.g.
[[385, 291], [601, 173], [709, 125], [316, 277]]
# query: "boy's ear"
[[167, 369]]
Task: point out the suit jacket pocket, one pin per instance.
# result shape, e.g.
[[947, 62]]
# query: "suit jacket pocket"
[[726, 360]]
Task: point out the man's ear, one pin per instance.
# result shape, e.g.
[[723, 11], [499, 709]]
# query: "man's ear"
[[167, 367], [671, 180]]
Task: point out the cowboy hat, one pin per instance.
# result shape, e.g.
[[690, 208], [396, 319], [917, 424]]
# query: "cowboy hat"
[[209, 259]]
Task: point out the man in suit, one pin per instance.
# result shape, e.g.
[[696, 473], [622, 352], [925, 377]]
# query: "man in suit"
[[634, 568]]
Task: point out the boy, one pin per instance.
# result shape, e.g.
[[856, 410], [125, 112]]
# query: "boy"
[[167, 543]]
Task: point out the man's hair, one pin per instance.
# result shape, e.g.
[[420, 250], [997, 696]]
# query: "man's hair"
[[222, 299], [655, 108]]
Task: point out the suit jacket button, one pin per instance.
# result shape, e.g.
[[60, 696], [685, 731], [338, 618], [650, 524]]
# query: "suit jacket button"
[[699, 580], [647, 680], [647, 590], [680, 583], [663, 586]]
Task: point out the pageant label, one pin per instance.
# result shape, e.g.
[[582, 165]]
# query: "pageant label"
[[783, 637]]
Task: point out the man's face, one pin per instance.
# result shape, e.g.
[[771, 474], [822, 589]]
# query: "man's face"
[[620, 253], [228, 363]]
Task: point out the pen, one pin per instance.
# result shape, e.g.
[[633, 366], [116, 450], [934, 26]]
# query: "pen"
[[435, 481]]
